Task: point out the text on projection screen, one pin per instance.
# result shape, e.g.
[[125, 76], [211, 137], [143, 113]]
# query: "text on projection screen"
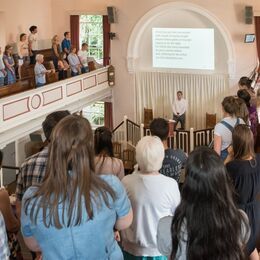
[[183, 48]]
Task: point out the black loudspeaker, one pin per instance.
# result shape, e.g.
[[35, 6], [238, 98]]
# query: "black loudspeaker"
[[249, 14], [111, 12]]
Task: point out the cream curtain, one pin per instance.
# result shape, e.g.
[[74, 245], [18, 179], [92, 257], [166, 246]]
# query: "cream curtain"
[[157, 90]]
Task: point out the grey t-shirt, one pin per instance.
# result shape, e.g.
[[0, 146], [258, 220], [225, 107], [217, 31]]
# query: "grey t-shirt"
[[164, 236], [172, 163], [225, 134]]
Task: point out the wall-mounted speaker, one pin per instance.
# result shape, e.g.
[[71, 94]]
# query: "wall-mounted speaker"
[[111, 12], [249, 14]]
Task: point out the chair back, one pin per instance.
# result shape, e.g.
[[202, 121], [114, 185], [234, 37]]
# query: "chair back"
[[148, 117], [128, 159], [117, 149], [211, 120]]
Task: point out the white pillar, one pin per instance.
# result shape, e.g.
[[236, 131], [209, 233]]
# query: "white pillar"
[[191, 139], [141, 131], [125, 133]]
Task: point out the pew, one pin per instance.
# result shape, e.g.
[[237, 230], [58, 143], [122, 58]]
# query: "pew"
[[19, 86]]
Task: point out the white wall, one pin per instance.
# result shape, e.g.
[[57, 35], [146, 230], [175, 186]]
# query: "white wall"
[[52, 17]]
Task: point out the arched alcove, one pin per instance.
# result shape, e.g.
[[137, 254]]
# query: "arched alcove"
[[174, 14]]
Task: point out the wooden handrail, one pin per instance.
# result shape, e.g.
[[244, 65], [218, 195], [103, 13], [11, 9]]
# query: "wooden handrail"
[[11, 167], [133, 123], [118, 126]]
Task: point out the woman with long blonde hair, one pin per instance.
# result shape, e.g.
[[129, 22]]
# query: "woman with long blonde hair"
[[74, 212]]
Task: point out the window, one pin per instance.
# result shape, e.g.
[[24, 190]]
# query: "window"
[[95, 114], [91, 32]]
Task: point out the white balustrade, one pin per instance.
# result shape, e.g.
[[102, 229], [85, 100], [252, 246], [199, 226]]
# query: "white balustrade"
[[23, 113]]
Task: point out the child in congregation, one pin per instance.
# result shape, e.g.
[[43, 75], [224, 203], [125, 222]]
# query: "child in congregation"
[[9, 65], [207, 224], [74, 61], [40, 71], [3, 72]]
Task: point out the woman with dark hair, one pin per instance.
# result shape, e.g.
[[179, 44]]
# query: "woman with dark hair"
[[253, 117], [105, 161], [207, 224], [73, 213], [246, 83], [223, 129], [244, 170]]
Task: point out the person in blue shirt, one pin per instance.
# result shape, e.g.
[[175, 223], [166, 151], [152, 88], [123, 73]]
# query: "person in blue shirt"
[[66, 43], [74, 212]]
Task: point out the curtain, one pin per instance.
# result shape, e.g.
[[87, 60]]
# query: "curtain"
[[74, 30], [257, 33], [106, 41], [109, 115], [157, 90]]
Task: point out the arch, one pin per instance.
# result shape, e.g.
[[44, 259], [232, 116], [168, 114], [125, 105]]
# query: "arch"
[[135, 37]]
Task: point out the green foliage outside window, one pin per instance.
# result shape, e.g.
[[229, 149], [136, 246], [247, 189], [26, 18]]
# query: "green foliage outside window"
[[95, 114], [91, 32]]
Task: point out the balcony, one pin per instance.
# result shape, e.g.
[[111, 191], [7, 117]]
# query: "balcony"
[[23, 113]]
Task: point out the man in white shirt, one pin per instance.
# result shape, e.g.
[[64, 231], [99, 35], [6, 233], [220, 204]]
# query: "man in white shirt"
[[179, 108], [33, 43], [85, 59]]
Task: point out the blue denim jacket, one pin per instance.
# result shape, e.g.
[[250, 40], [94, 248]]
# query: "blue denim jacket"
[[93, 239]]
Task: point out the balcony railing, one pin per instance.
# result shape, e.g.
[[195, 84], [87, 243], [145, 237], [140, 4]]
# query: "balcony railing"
[[23, 113]]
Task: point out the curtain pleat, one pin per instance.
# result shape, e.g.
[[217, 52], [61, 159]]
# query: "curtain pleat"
[[74, 30], [157, 90], [109, 115], [106, 41]]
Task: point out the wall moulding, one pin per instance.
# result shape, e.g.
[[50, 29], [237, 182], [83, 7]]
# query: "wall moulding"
[[138, 30]]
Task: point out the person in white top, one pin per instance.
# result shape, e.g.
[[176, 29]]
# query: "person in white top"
[[23, 52], [223, 130], [33, 43], [179, 108], [85, 59], [152, 196]]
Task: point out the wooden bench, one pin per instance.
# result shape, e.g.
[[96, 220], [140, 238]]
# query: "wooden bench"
[[15, 88]]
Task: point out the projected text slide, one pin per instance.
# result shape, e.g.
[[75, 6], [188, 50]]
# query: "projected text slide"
[[184, 48]]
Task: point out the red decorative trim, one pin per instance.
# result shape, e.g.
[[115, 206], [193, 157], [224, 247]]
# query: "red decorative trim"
[[89, 78], [74, 92], [105, 72], [39, 101], [45, 104], [5, 119]]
